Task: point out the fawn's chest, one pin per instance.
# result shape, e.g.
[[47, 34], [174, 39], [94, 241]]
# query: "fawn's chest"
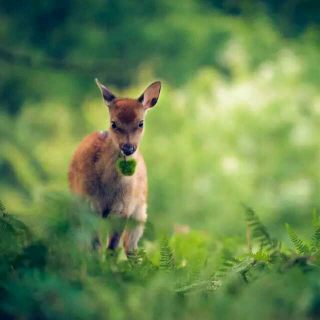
[[115, 190]]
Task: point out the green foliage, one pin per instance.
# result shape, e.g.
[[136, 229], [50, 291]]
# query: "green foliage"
[[232, 265], [315, 219], [142, 267], [2, 209], [166, 255], [114, 41], [207, 143], [260, 233], [237, 120], [315, 240], [127, 167], [53, 273], [300, 246], [14, 235], [260, 256]]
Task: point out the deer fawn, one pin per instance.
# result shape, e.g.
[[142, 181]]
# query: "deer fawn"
[[93, 169]]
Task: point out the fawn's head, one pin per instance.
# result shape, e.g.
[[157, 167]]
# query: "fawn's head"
[[127, 116]]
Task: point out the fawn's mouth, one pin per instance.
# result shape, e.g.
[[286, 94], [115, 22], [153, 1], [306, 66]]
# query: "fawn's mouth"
[[126, 155]]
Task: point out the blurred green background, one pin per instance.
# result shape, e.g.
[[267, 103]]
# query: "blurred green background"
[[238, 120]]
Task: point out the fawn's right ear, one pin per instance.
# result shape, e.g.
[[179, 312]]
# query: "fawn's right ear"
[[108, 96]]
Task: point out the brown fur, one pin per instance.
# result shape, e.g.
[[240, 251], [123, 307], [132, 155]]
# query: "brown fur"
[[93, 169], [93, 172], [127, 116]]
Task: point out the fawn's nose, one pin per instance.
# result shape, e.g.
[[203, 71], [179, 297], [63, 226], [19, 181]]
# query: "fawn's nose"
[[127, 149]]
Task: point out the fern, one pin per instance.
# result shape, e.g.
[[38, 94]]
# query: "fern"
[[140, 258], [232, 265], [134, 258], [3, 209], [229, 264], [141, 266], [300, 246], [315, 219], [260, 256], [260, 233], [166, 255], [146, 263], [315, 240], [200, 286]]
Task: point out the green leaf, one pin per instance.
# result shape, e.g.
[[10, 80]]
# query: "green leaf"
[[300, 246], [260, 233], [315, 219], [166, 255], [127, 167], [315, 240]]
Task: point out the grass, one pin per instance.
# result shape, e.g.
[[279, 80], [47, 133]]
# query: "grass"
[[49, 271]]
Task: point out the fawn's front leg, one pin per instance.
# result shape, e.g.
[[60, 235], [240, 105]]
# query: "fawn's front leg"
[[134, 229]]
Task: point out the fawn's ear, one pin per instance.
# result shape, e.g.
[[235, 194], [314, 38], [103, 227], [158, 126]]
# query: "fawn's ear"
[[151, 95], [108, 96]]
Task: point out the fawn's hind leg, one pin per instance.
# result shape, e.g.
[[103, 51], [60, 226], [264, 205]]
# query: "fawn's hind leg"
[[134, 229]]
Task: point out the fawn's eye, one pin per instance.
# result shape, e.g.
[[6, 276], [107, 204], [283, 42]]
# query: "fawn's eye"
[[113, 125], [141, 124]]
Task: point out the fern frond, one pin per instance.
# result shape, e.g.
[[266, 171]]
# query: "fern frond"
[[300, 246], [232, 267], [141, 265], [145, 262], [2, 208], [260, 256], [166, 255], [228, 265], [134, 258], [243, 266], [259, 232], [202, 286], [315, 219], [315, 240]]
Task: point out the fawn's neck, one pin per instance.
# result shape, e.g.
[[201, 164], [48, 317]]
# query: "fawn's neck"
[[111, 152]]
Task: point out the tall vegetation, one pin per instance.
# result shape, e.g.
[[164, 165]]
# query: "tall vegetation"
[[49, 271], [237, 122]]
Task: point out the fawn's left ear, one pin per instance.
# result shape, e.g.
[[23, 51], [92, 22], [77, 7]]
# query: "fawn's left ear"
[[108, 96], [151, 95]]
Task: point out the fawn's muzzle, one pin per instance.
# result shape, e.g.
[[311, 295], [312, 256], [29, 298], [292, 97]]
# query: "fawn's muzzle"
[[127, 149]]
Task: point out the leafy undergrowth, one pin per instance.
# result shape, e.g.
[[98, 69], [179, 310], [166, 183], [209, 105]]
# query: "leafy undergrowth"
[[48, 271]]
